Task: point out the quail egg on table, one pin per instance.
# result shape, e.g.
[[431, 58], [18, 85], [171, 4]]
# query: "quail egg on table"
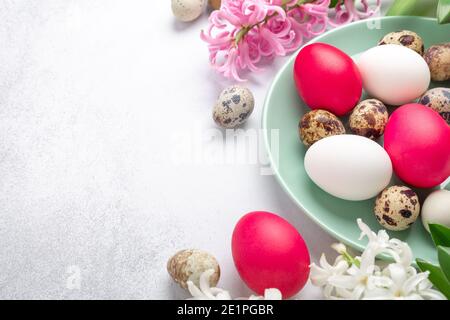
[[404, 38], [438, 60], [397, 208], [438, 99], [369, 119], [188, 265], [319, 124], [188, 10], [234, 106]]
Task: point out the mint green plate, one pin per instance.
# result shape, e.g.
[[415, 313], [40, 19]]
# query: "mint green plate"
[[283, 109]]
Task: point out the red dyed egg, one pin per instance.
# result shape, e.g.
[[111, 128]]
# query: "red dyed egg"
[[270, 253], [327, 78], [418, 141]]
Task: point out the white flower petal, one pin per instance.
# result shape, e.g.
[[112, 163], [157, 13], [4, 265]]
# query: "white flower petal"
[[397, 273], [344, 282], [378, 294], [193, 290], [324, 263], [339, 248], [413, 282], [365, 231], [341, 267], [378, 282], [432, 295], [358, 292], [328, 291], [343, 293], [272, 294], [425, 285], [319, 277]]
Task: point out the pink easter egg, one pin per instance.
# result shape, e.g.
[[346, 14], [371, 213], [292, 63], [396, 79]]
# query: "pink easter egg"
[[270, 253], [327, 78], [417, 140]]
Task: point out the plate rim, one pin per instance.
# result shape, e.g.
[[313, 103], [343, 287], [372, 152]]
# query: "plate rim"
[[354, 244]]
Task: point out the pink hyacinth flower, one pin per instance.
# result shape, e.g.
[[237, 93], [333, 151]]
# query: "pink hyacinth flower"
[[243, 33]]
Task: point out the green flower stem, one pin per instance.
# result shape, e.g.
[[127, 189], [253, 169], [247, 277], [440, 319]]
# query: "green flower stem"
[[246, 29], [351, 260]]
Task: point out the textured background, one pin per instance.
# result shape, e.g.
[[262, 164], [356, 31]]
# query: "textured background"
[[95, 96]]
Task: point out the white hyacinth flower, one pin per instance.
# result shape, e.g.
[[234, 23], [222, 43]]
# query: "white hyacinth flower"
[[361, 277], [205, 292], [269, 294], [327, 271]]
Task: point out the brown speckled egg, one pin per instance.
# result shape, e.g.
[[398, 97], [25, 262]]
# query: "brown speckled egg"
[[188, 265], [438, 60], [319, 124], [369, 118], [234, 106], [438, 99], [397, 208], [404, 38]]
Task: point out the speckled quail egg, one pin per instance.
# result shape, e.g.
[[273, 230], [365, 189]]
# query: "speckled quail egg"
[[188, 10], [188, 265], [234, 106], [404, 38], [397, 208], [369, 118], [215, 4], [438, 99], [438, 60], [319, 124]]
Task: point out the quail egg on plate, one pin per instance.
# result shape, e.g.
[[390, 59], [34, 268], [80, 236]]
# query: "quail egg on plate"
[[404, 38], [438, 99], [319, 124], [369, 119], [438, 60], [397, 208]]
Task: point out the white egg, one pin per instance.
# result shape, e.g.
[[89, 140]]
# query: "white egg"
[[436, 209], [349, 167], [394, 74], [188, 10]]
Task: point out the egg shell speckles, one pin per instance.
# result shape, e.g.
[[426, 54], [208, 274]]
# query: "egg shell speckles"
[[369, 119], [405, 38], [397, 208], [438, 60], [319, 124], [188, 265], [188, 10], [438, 99], [234, 106]]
